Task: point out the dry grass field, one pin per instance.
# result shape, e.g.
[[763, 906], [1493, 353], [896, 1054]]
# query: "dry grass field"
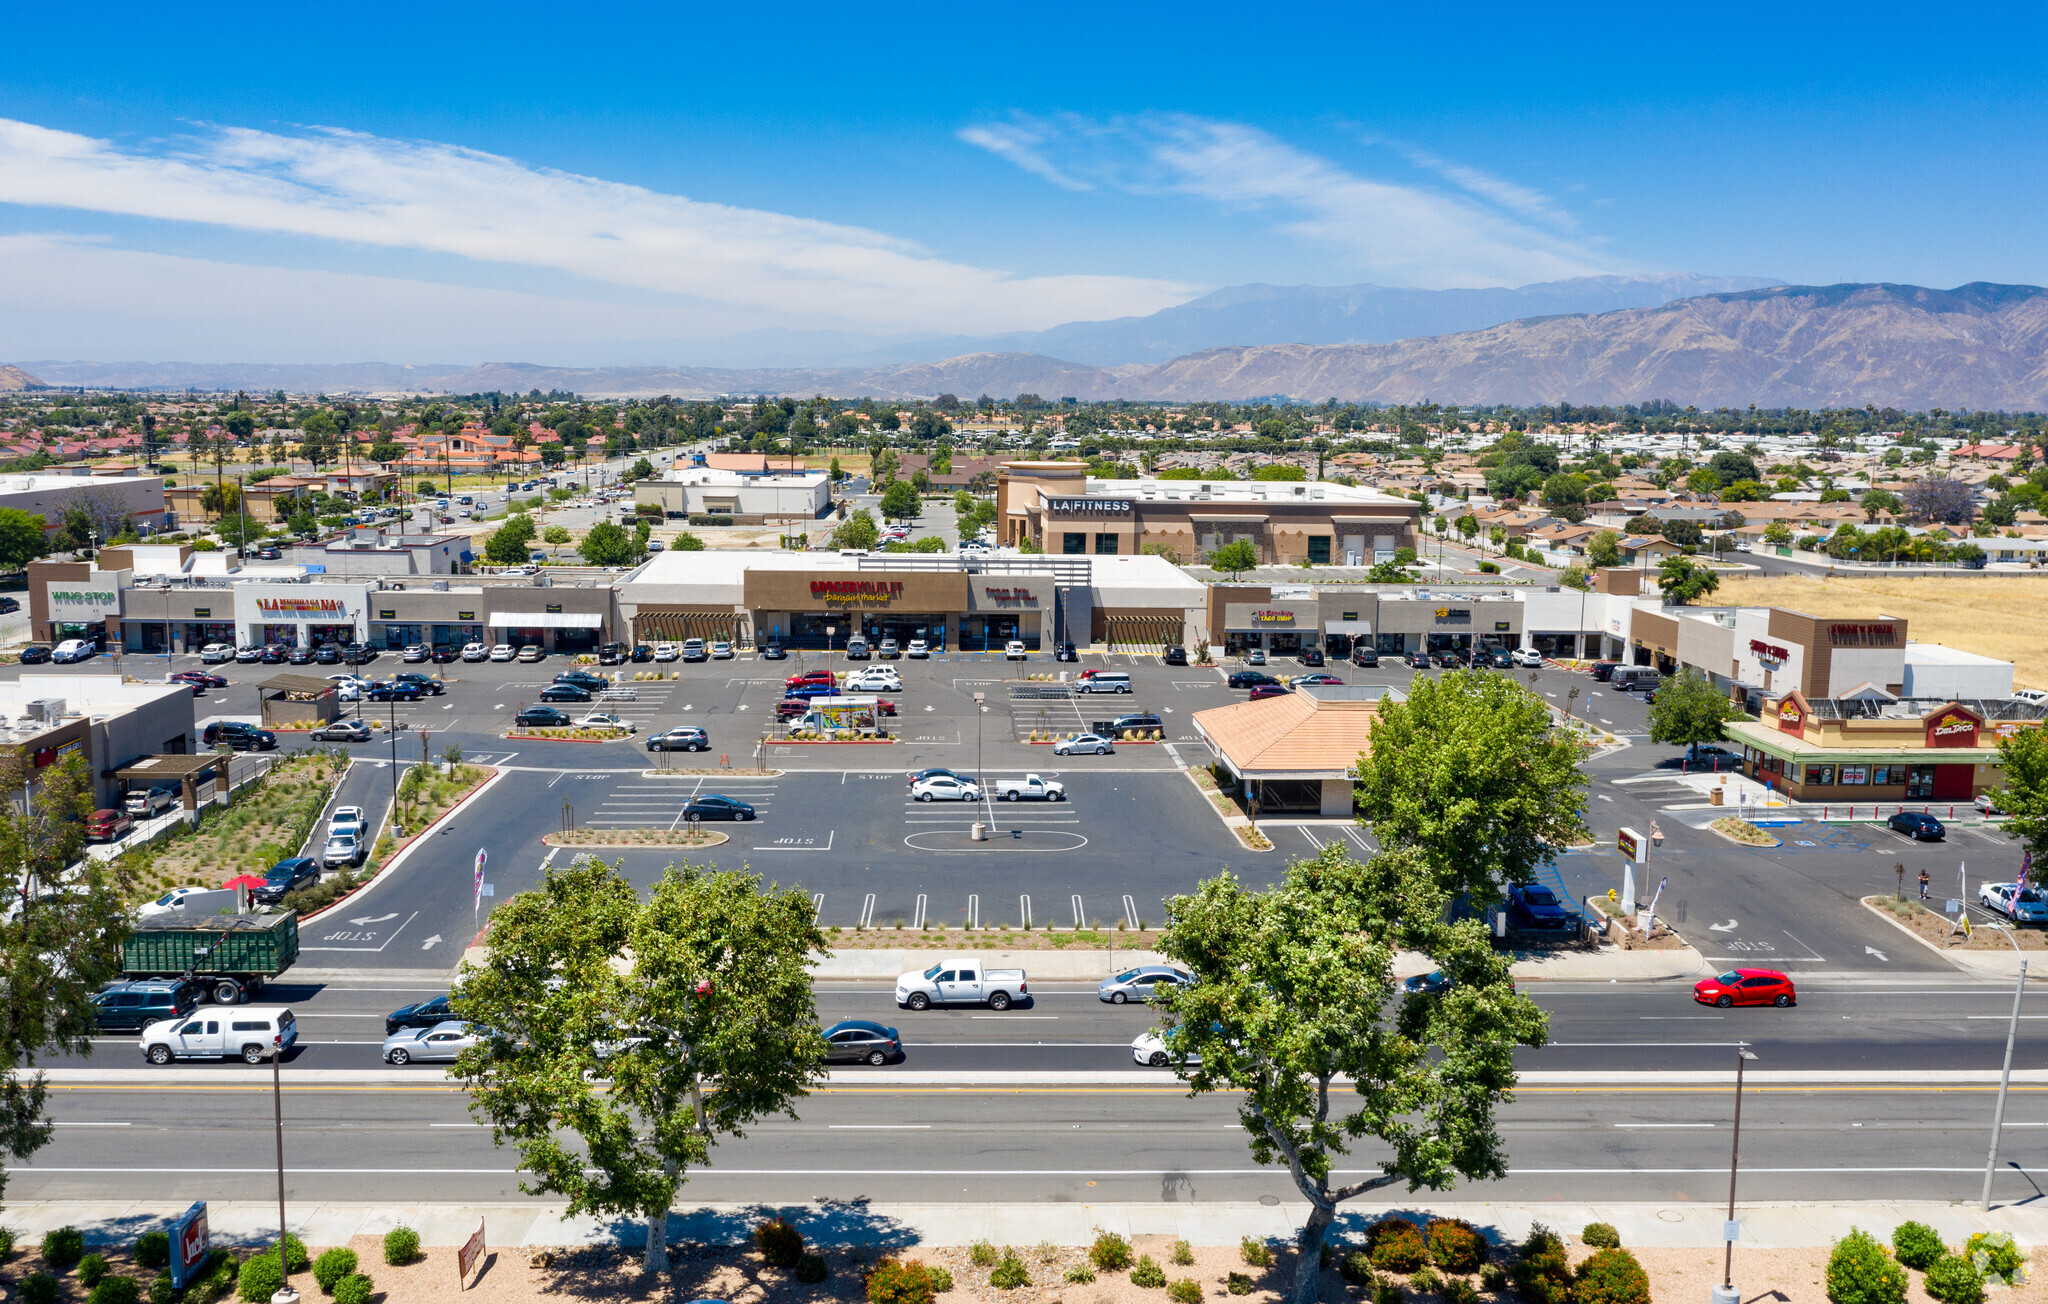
[[2003, 618]]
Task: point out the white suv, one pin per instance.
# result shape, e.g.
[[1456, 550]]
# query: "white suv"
[[1527, 656], [875, 679]]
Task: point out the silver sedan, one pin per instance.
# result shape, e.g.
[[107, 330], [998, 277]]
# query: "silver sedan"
[[443, 1041], [1139, 984]]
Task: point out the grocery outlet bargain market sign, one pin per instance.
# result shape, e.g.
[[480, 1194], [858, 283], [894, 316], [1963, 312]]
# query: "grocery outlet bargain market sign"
[[856, 593]]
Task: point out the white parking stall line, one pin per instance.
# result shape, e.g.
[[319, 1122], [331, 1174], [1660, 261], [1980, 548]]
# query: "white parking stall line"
[[817, 906], [1131, 911], [1024, 908], [867, 911], [973, 910], [917, 918], [1080, 912]]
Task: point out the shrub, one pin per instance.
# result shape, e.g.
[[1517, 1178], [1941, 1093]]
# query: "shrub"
[[940, 1278], [90, 1269], [983, 1255], [1995, 1255], [781, 1245], [219, 1277], [401, 1246], [161, 1291], [116, 1290], [1953, 1279], [1493, 1276], [354, 1289], [1181, 1253], [1396, 1245], [6, 1245], [1541, 1272], [1601, 1236], [260, 1279], [1185, 1291], [1386, 1292], [1010, 1273], [1917, 1245], [297, 1260], [1455, 1245], [332, 1266], [1460, 1290], [1111, 1252], [63, 1247], [810, 1268], [1255, 1252], [1612, 1277], [1426, 1279], [38, 1288], [1080, 1274], [895, 1282], [1356, 1268], [153, 1250], [1238, 1283], [1861, 1272], [1148, 1273]]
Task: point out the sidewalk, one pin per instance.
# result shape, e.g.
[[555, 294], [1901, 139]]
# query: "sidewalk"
[[541, 1223]]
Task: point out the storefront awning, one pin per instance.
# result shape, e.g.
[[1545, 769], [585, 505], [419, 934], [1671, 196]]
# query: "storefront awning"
[[547, 620], [1354, 628]]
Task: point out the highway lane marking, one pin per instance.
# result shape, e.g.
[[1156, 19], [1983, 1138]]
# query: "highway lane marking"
[[1644, 1125], [878, 1127]]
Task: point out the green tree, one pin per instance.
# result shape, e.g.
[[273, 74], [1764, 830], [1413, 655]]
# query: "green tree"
[[56, 947], [642, 470], [900, 501], [1294, 988], [1470, 772], [687, 542], [1684, 579], [1778, 534], [607, 544], [856, 531], [511, 542], [1881, 500], [1282, 471], [1234, 558], [23, 538], [1575, 576], [555, 534], [2023, 765], [1689, 711], [1468, 525], [715, 993]]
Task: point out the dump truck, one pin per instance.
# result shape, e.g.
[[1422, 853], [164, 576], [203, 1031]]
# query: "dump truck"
[[228, 956]]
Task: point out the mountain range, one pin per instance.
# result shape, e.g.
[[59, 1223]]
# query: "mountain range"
[[1976, 346]]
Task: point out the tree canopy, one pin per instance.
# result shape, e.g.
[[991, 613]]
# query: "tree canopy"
[[608, 544], [1470, 772], [1294, 987], [23, 538], [511, 542], [858, 530], [900, 501], [1234, 557], [1689, 711], [1684, 579]]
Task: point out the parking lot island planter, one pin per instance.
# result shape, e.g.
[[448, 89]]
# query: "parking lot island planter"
[[1743, 833], [636, 838], [546, 735]]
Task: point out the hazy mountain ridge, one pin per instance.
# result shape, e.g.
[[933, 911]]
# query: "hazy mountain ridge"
[[14, 380]]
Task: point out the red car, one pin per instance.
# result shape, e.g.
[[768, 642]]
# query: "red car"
[[810, 677], [1267, 690], [199, 680], [1746, 987], [107, 825]]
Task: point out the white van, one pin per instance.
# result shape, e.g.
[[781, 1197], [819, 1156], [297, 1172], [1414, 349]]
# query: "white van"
[[216, 1032], [1105, 681]]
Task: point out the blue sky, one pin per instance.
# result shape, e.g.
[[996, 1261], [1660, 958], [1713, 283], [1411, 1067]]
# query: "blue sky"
[[600, 183]]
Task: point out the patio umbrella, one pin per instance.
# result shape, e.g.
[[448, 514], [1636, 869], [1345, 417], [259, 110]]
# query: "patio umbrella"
[[244, 881]]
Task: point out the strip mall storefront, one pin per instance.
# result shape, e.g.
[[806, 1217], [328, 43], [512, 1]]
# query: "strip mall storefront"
[[1879, 751], [947, 609], [301, 615]]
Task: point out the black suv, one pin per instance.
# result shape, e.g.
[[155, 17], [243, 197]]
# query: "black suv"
[[611, 654], [1174, 656], [327, 654], [546, 716], [241, 737], [286, 876], [133, 1006], [427, 684], [1310, 656]]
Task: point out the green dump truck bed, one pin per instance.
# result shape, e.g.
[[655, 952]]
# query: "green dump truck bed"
[[259, 945]]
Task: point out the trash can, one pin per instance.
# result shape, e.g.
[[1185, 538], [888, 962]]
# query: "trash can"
[[1714, 796]]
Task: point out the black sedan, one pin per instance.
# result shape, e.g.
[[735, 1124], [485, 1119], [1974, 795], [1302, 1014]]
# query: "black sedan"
[[396, 690], [1251, 679], [542, 716], [643, 652], [443, 654], [300, 656], [712, 806], [1417, 660], [859, 1041], [425, 1014], [1921, 828], [273, 654], [327, 654], [35, 654], [564, 693], [427, 684]]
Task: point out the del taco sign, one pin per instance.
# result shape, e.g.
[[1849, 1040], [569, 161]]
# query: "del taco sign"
[[1953, 727]]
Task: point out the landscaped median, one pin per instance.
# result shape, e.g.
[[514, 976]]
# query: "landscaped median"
[[593, 838], [1232, 815], [1983, 948], [545, 733], [423, 803], [1743, 832]]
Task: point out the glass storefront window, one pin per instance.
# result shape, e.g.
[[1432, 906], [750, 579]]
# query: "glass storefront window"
[[1920, 781], [1319, 549], [1071, 543], [1105, 545]]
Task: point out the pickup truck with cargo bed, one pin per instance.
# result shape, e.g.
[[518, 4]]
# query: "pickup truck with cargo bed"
[[961, 981], [1030, 788]]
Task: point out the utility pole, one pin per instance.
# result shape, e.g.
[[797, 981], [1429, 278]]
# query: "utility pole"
[[1725, 1293], [2012, 1030]]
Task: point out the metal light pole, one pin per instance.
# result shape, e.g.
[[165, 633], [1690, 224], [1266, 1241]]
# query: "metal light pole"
[[284, 1294], [980, 776], [397, 830], [1725, 1293], [2005, 1076], [165, 587]]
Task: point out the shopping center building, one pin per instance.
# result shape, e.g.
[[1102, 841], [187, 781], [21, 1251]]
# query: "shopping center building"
[[1061, 511], [1869, 747]]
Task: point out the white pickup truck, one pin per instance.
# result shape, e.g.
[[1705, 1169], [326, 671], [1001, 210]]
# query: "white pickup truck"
[[1030, 788], [961, 981]]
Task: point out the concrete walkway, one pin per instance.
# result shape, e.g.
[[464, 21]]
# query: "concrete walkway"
[[538, 1223]]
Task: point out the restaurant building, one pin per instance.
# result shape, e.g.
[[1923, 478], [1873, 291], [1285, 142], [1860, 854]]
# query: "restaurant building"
[[1061, 511], [1871, 747]]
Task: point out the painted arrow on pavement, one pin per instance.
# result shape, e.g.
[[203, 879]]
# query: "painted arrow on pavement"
[[1871, 950], [361, 920], [431, 942], [1723, 928]]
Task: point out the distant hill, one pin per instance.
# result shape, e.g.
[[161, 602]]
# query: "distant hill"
[[14, 379], [1976, 346]]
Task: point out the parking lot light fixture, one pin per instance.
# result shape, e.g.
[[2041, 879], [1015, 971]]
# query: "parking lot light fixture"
[[1725, 1293], [2011, 1034]]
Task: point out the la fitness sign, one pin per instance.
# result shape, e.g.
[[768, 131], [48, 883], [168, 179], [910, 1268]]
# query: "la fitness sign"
[[856, 593], [1953, 727]]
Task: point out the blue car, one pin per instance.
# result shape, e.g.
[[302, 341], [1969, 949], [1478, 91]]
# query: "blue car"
[[1534, 906]]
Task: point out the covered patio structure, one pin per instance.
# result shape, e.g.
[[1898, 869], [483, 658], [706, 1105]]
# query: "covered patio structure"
[[1293, 754]]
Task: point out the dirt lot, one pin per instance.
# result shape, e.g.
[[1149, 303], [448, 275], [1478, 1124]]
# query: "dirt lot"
[[525, 1276], [2003, 618]]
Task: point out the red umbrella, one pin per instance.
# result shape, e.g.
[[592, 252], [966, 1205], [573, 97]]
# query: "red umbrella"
[[245, 880]]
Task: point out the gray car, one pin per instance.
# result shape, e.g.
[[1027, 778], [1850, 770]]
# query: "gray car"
[[342, 731], [1140, 983], [443, 1041]]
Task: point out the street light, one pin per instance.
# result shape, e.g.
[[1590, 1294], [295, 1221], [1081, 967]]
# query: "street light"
[[2005, 1076], [1725, 1293], [981, 778], [284, 1294]]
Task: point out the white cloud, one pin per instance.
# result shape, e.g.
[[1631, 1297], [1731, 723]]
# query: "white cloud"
[[1404, 233], [344, 186]]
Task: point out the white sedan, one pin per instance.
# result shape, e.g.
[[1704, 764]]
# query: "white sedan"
[[604, 720], [215, 653], [2021, 905], [503, 652], [944, 787], [475, 652], [879, 679], [169, 901], [666, 652], [918, 649], [1086, 744], [721, 651], [1154, 1049]]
